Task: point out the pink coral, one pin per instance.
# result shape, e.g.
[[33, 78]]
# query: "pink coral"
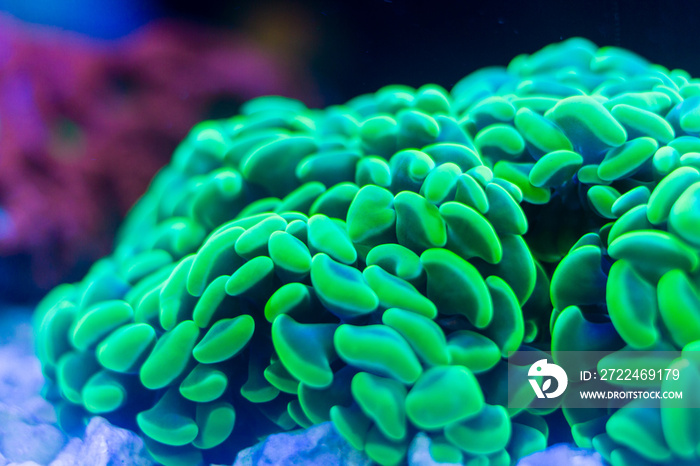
[[84, 125]]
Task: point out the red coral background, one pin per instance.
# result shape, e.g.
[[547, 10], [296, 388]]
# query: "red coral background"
[[84, 125]]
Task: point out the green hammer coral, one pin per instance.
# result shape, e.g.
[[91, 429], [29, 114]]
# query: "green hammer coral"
[[373, 263]]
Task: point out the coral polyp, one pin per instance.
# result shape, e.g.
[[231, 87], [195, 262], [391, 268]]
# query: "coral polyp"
[[374, 263]]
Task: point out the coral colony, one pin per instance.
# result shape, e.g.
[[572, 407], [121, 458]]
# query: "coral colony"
[[373, 263]]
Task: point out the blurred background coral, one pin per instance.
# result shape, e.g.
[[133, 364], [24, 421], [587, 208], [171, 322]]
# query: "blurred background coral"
[[87, 122]]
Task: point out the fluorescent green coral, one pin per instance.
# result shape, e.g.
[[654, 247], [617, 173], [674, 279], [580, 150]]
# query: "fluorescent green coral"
[[374, 263]]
